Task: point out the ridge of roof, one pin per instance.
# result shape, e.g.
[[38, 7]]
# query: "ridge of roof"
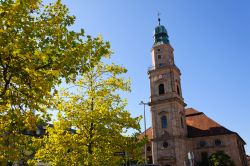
[[189, 111]]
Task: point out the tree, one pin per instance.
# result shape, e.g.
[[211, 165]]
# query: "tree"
[[97, 113], [37, 53], [220, 159]]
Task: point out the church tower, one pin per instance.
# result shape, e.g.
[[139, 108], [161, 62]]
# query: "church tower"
[[166, 104]]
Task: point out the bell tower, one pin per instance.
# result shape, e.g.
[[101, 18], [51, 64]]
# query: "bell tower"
[[166, 104]]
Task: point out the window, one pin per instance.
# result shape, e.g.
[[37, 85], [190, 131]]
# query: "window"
[[217, 142], [159, 56], [161, 89], [178, 90], [149, 148], [164, 122], [203, 143], [159, 50], [165, 145]]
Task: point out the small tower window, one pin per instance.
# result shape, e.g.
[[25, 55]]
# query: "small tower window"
[[161, 89], [178, 90], [159, 56], [159, 50], [164, 122]]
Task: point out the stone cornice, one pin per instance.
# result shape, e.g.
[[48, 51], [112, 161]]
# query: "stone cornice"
[[173, 99], [154, 69]]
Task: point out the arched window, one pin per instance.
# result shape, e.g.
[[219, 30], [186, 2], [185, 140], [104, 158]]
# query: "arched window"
[[164, 122], [178, 90], [161, 89]]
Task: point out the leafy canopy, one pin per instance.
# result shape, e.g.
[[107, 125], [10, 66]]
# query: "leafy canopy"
[[37, 52], [220, 159], [96, 111]]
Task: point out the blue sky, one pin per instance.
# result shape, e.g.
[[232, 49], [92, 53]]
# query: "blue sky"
[[212, 49]]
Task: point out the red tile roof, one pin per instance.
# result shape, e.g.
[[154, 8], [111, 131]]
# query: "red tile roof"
[[198, 125], [189, 111], [148, 133]]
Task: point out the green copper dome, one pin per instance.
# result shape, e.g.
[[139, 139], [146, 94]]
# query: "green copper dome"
[[160, 35]]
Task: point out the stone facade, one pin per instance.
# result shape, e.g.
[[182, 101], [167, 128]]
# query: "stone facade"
[[177, 131], [228, 145]]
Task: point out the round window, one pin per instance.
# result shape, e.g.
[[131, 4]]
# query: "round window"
[[149, 148], [203, 143], [217, 142], [165, 144]]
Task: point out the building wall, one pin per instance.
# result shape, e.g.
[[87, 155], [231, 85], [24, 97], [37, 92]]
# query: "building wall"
[[228, 145], [180, 147]]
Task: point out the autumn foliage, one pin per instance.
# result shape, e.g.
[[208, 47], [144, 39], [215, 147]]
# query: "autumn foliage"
[[38, 52]]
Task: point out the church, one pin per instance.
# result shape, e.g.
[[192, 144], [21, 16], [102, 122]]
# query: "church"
[[181, 136]]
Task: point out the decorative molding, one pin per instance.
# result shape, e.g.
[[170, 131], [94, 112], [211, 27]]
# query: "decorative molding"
[[154, 69], [173, 99]]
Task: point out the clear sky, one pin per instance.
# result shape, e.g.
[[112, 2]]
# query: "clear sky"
[[212, 49]]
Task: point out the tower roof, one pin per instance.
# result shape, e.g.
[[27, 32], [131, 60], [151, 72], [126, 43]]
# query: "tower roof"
[[160, 35]]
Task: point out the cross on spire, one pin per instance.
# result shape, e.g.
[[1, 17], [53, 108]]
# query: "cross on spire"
[[159, 20]]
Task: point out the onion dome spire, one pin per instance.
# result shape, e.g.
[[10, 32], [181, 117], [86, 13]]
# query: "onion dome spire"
[[160, 33]]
